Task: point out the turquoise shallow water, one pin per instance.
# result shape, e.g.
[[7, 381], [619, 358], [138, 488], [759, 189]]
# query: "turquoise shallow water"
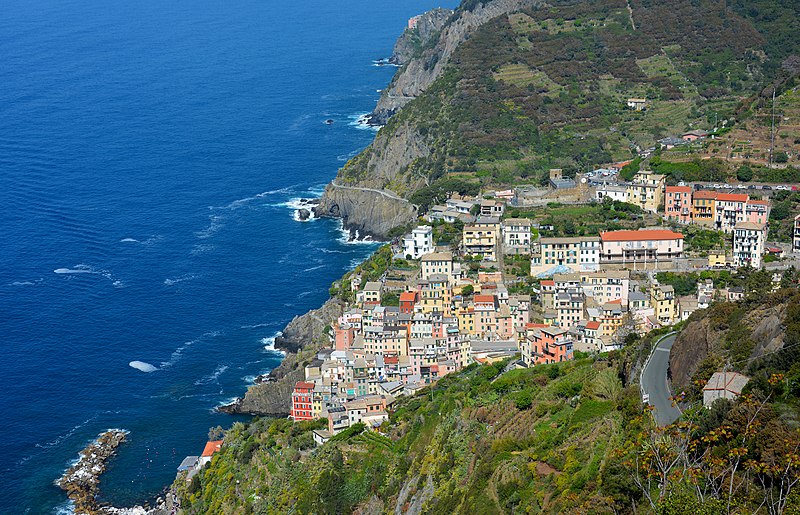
[[150, 156]]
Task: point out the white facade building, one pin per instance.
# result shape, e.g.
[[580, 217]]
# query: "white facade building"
[[419, 242], [748, 244]]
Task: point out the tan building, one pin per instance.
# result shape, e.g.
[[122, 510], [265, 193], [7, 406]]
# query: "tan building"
[[703, 206], [647, 191], [436, 263], [480, 239]]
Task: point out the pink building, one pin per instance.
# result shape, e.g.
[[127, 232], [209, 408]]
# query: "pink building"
[[344, 336], [549, 345], [642, 246], [678, 204], [757, 211]]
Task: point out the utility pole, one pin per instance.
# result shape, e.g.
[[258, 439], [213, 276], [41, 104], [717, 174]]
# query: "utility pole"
[[772, 130]]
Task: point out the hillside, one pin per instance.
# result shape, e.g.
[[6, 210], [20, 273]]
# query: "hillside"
[[512, 88], [563, 438]]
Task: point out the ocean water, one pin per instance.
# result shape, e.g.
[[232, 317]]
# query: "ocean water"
[[151, 154]]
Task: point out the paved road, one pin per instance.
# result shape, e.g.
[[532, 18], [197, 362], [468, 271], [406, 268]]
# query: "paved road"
[[387, 194], [656, 385]]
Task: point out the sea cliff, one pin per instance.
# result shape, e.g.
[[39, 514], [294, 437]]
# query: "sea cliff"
[[301, 339]]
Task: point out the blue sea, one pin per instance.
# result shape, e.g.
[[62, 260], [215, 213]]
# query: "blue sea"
[[151, 155]]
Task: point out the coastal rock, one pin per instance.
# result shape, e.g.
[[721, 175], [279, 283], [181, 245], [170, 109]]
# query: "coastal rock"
[[366, 212], [426, 67], [303, 214], [302, 338], [412, 41]]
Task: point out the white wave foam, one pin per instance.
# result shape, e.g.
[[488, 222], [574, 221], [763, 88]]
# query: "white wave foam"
[[347, 157], [26, 283], [84, 269], [202, 248], [183, 278], [359, 121], [177, 353], [332, 251], [149, 241], [142, 366], [254, 326], [269, 344], [312, 268], [213, 376], [305, 293], [215, 224], [243, 201], [226, 402], [65, 509], [355, 239]]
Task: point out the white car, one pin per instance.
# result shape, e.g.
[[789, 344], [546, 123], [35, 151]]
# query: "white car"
[[717, 186], [742, 187], [782, 188]]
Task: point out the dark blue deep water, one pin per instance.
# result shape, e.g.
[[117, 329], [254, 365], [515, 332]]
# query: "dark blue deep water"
[[150, 151]]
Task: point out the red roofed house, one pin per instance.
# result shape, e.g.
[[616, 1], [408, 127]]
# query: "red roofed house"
[[211, 447], [547, 345], [642, 246], [301, 401], [407, 301], [729, 210], [678, 205]]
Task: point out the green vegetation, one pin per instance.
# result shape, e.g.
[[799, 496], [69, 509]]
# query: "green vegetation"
[[370, 270], [584, 219]]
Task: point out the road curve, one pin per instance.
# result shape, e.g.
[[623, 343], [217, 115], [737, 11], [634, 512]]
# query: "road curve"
[[655, 383], [386, 194]]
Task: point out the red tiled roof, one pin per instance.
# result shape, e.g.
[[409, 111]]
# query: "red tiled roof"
[[391, 360], [679, 189], [592, 325], [534, 325], [758, 202], [645, 235], [304, 384], [705, 194], [616, 301], [732, 197], [212, 447], [548, 282], [408, 296], [484, 298]]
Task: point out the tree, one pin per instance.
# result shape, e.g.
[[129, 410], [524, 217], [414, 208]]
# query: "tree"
[[467, 290], [744, 173], [781, 157]]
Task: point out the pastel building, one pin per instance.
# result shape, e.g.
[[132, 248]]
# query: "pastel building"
[[440, 263], [748, 244], [642, 246], [576, 254], [547, 345], [678, 204], [302, 401], [516, 236], [647, 191], [703, 205]]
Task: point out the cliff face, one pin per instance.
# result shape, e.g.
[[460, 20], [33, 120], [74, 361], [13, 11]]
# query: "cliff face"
[[366, 212], [301, 339], [420, 72], [762, 327], [414, 40]]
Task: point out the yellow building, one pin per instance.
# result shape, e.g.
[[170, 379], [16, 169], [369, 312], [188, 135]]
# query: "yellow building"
[[480, 241], [662, 298], [716, 258], [647, 191]]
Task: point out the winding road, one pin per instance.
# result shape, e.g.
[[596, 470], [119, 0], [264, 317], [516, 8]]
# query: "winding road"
[[655, 384]]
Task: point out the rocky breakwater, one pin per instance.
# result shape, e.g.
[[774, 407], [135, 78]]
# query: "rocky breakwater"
[[302, 338], [81, 481]]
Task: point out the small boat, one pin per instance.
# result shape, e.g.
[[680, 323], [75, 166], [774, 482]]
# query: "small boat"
[[329, 121]]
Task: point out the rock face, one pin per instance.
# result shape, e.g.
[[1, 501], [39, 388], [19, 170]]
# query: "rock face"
[[365, 212], [303, 214], [301, 339], [414, 40], [700, 338], [420, 72]]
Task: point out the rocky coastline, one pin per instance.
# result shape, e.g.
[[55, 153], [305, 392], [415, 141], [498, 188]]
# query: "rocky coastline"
[[301, 340], [81, 481]]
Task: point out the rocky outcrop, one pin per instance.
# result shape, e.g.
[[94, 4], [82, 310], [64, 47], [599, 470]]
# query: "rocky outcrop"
[[419, 73], [701, 337], [302, 338], [366, 212], [413, 41]]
